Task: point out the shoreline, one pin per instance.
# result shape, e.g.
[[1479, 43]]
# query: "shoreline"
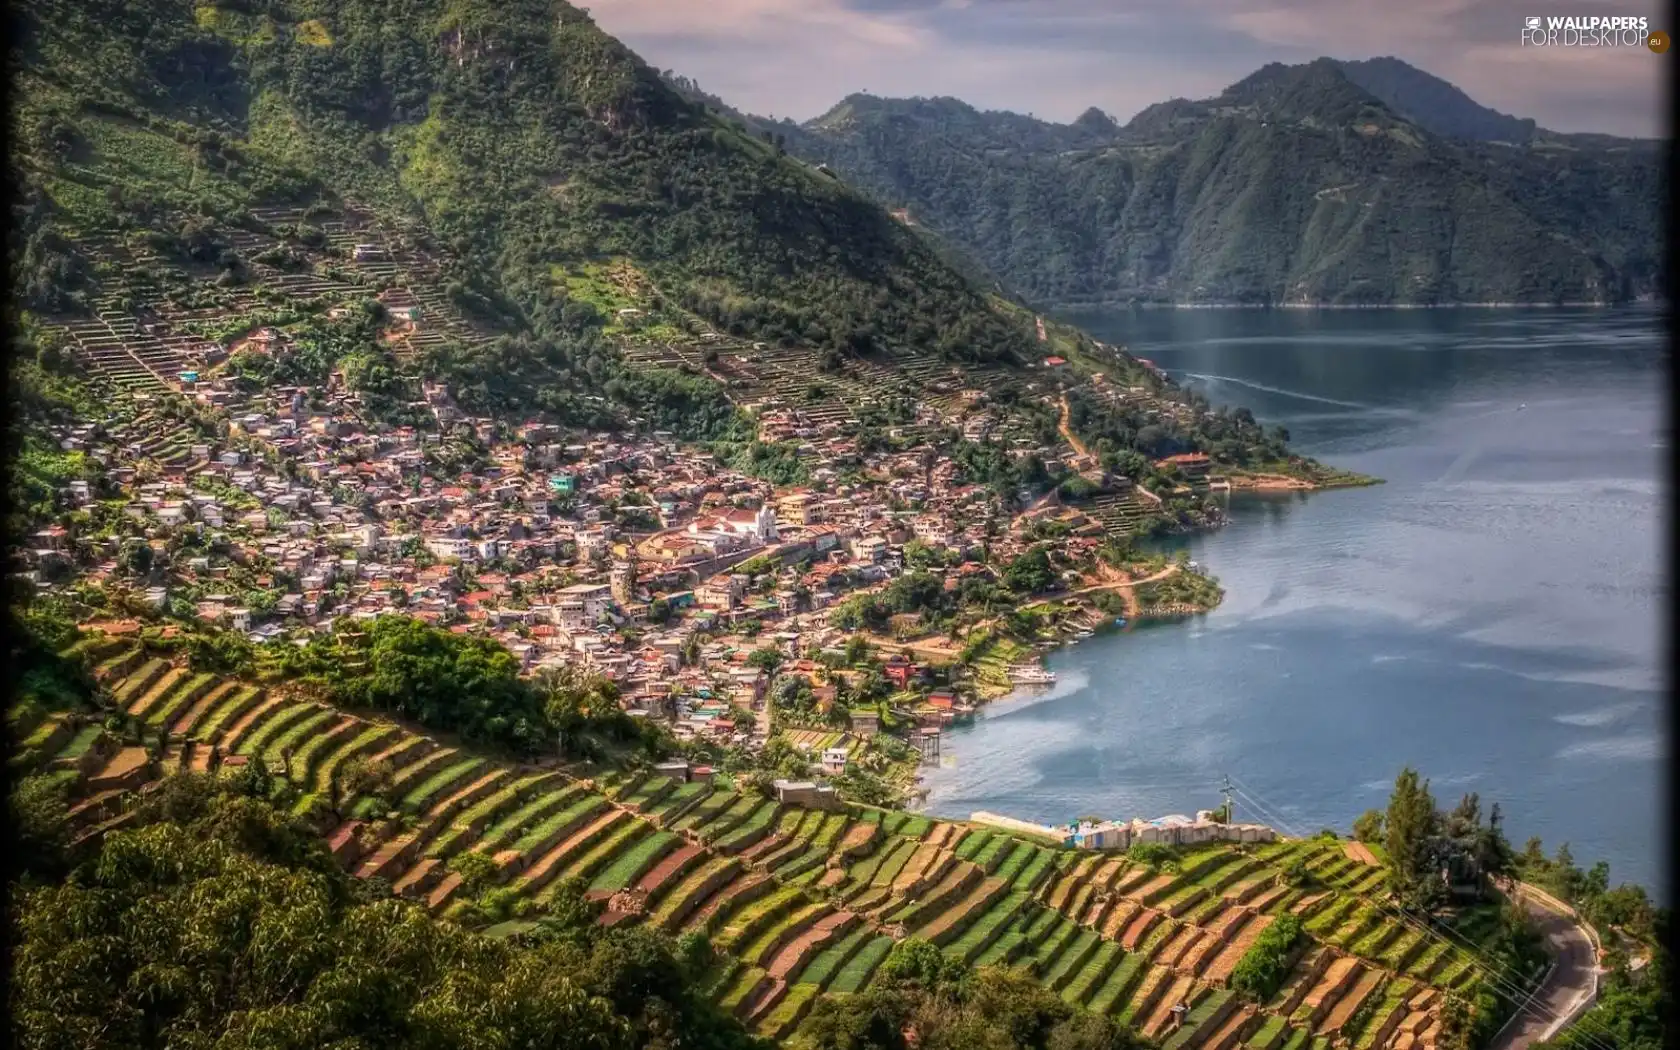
[[1089, 618], [1271, 483], [1572, 305]]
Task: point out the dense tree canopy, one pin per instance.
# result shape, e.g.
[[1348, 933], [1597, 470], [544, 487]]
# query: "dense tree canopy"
[[925, 1002], [220, 922]]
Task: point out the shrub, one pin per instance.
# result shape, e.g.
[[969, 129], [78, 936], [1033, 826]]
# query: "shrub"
[[1262, 969], [1152, 854]]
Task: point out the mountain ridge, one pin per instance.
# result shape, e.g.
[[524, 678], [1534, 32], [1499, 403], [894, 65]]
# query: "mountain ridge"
[[629, 168], [1296, 185]]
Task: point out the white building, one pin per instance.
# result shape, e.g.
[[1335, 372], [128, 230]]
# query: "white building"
[[754, 527], [582, 604]]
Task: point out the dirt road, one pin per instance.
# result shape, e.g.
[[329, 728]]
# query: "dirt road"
[[1067, 431], [1569, 990], [1127, 589]]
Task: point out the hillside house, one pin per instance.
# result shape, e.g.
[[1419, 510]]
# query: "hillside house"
[[865, 723]]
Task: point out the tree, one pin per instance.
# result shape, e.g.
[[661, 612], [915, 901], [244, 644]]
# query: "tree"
[[767, 659], [1265, 965], [1370, 826], [477, 871], [580, 706], [40, 821], [1029, 573], [873, 1021], [136, 556], [914, 961], [1412, 828]]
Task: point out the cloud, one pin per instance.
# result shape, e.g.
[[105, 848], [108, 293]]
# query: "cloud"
[[1055, 58], [759, 20]]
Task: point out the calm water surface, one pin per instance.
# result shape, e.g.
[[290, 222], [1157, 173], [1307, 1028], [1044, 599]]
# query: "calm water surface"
[[1491, 615]]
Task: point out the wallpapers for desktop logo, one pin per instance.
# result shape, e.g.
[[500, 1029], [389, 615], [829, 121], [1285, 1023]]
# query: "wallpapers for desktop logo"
[[1592, 31]]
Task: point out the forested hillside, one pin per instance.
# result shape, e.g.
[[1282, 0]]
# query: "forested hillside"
[[527, 150], [1296, 185]]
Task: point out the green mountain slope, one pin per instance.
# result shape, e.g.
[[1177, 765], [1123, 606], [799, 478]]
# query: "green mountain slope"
[[527, 151], [1294, 186], [549, 227], [1434, 104]]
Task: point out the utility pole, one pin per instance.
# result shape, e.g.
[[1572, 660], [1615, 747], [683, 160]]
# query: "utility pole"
[[1230, 806]]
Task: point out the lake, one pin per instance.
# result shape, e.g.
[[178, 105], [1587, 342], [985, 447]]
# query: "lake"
[[1490, 616]]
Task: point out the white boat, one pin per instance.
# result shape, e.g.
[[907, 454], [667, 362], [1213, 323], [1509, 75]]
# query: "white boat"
[[1031, 674]]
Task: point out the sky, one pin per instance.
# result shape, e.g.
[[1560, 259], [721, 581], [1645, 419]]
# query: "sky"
[[1056, 58]]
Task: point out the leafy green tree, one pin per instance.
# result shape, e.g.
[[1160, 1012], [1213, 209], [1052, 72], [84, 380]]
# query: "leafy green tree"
[[873, 1021], [917, 962], [477, 871], [583, 710], [1030, 572], [220, 920], [1369, 827], [40, 814], [1413, 825]]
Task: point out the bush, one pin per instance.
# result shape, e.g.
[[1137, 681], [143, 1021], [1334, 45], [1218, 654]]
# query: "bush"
[[1153, 854], [1263, 968]]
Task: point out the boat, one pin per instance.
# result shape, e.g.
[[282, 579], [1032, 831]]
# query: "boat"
[[1033, 675], [1119, 621], [1082, 635]]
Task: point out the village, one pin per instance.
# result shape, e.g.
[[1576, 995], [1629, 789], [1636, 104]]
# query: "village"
[[280, 513], [211, 493]]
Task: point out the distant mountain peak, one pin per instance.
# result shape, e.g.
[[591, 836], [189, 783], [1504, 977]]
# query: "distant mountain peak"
[[1320, 90], [1434, 104], [1095, 120]]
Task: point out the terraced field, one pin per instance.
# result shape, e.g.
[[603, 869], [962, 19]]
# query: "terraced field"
[[115, 345], [801, 902]]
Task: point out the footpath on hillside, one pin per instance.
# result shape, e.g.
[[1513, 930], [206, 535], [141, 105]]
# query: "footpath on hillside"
[[1067, 430]]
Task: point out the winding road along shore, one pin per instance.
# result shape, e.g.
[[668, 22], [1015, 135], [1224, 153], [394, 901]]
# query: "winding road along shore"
[[1572, 985]]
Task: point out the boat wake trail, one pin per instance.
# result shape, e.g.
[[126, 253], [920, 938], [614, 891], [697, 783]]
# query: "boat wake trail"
[[1299, 396]]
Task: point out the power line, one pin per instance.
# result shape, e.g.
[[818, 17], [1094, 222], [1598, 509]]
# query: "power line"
[[1499, 977], [1496, 975]]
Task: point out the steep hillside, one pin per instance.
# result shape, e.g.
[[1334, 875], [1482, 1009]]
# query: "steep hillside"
[[1294, 186], [800, 905], [547, 225], [1434, 104], [550, 175]]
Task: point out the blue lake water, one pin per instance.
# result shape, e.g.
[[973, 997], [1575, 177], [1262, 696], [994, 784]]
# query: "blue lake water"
[[1491, 616]]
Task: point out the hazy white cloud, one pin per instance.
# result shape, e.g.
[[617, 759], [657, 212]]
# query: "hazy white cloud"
[[1054, 58], [748, 21]]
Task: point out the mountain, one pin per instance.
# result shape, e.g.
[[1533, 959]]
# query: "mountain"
[[1296, 185], [552, 176], [1435, 105], [457, 208]]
